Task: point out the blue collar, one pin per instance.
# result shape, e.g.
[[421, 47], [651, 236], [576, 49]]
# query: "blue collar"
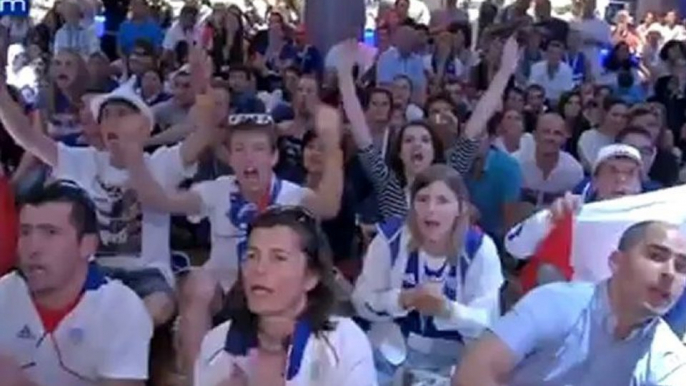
[[238, 344], [94, 278]]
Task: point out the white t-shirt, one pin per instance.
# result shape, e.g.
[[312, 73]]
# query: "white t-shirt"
[[590, 143], [342, 357], [563, 178], [131, 237], [106, 335], [227, 211], [527, 144], [561, 81], [175, 34]]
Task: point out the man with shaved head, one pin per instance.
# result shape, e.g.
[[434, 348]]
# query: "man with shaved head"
[[607, 334], [548, 172]]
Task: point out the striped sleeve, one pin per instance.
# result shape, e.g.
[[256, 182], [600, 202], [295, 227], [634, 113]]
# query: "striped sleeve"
[[390, 195], [461, 155]]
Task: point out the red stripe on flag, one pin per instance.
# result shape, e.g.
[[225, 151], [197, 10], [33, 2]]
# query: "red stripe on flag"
[[555, 249]]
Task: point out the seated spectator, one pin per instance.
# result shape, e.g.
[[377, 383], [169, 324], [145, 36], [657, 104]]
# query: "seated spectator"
[[175, 111], [548, 333], [403, 89], [139, 26], [591, 141], [20, 73], [282, 329], [401, 60], [143, 57], [72, 35], [514, 100], [69, 324], [230, 203], [152, 88], [618, 61], [185, 30], [430, 284], [61, 103], [307, 59], [100, 73], [548, 172], [511, 136], [554, 75], [571, 110], [443, 62], [665, 166], [535, 106], [576, 59]]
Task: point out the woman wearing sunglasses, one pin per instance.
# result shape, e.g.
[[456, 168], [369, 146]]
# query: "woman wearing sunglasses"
[[280, 329], [430, 283]]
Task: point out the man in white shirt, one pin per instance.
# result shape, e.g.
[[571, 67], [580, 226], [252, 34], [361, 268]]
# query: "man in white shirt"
[[63, 322], [608, 334], [185, 30], [230, 203], [554, 75], [672, 30], [548, 171], [591, 141], [135, 246]]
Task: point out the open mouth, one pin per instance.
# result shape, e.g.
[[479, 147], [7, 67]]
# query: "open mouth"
[[260, 290], [417, 157], [251, 173], [431, 224]]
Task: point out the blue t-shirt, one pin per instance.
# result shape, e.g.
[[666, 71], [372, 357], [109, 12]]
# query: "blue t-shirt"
[[499, 184], [130, 31]]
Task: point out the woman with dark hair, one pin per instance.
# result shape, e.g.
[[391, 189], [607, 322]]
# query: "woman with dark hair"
[[151, 87], [281, 329], [430, 283], [620, 69], [417, 146], [570, 108]]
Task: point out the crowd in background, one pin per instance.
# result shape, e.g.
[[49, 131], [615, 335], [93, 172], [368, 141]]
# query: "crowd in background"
[[247, 187]]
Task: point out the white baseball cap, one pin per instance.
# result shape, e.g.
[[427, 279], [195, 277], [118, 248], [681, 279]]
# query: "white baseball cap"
[[617, 150], [125, 94]]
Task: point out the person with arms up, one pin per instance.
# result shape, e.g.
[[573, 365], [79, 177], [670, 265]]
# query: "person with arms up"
[[135, 246], [281, 329], [231, 203], [63, 322], [609, 333]]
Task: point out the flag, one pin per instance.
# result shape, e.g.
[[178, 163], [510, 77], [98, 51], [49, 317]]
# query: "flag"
[[8, 227], [580, 245]]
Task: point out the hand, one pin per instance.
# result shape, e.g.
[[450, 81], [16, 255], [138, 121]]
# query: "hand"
[[11, 373], [563, 206], [200, 68], [347, 55], [428, 301], [510, 56], [328, 126], [237, 378]]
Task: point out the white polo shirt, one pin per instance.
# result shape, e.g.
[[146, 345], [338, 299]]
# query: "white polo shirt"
[[341, 357], [106, 336], [230, 213]]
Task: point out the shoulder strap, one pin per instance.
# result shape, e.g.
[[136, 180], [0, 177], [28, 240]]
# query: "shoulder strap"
[[391, 230]]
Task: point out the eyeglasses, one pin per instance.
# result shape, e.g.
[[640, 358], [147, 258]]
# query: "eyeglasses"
[[250, 119]]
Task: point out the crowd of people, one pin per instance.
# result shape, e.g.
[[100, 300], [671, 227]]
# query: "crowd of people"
[[411, 212]]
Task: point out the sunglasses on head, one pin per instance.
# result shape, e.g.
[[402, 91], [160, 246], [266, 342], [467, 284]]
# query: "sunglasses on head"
[[250, 119]]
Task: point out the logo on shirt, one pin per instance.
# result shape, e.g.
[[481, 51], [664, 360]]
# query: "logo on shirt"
[[14, 7], [26, 333]]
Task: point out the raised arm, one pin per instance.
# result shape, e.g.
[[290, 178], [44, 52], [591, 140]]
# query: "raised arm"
[[202, 112], [391, 197], [461, 155], [24, 133], [150, 192], [325, 201]]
